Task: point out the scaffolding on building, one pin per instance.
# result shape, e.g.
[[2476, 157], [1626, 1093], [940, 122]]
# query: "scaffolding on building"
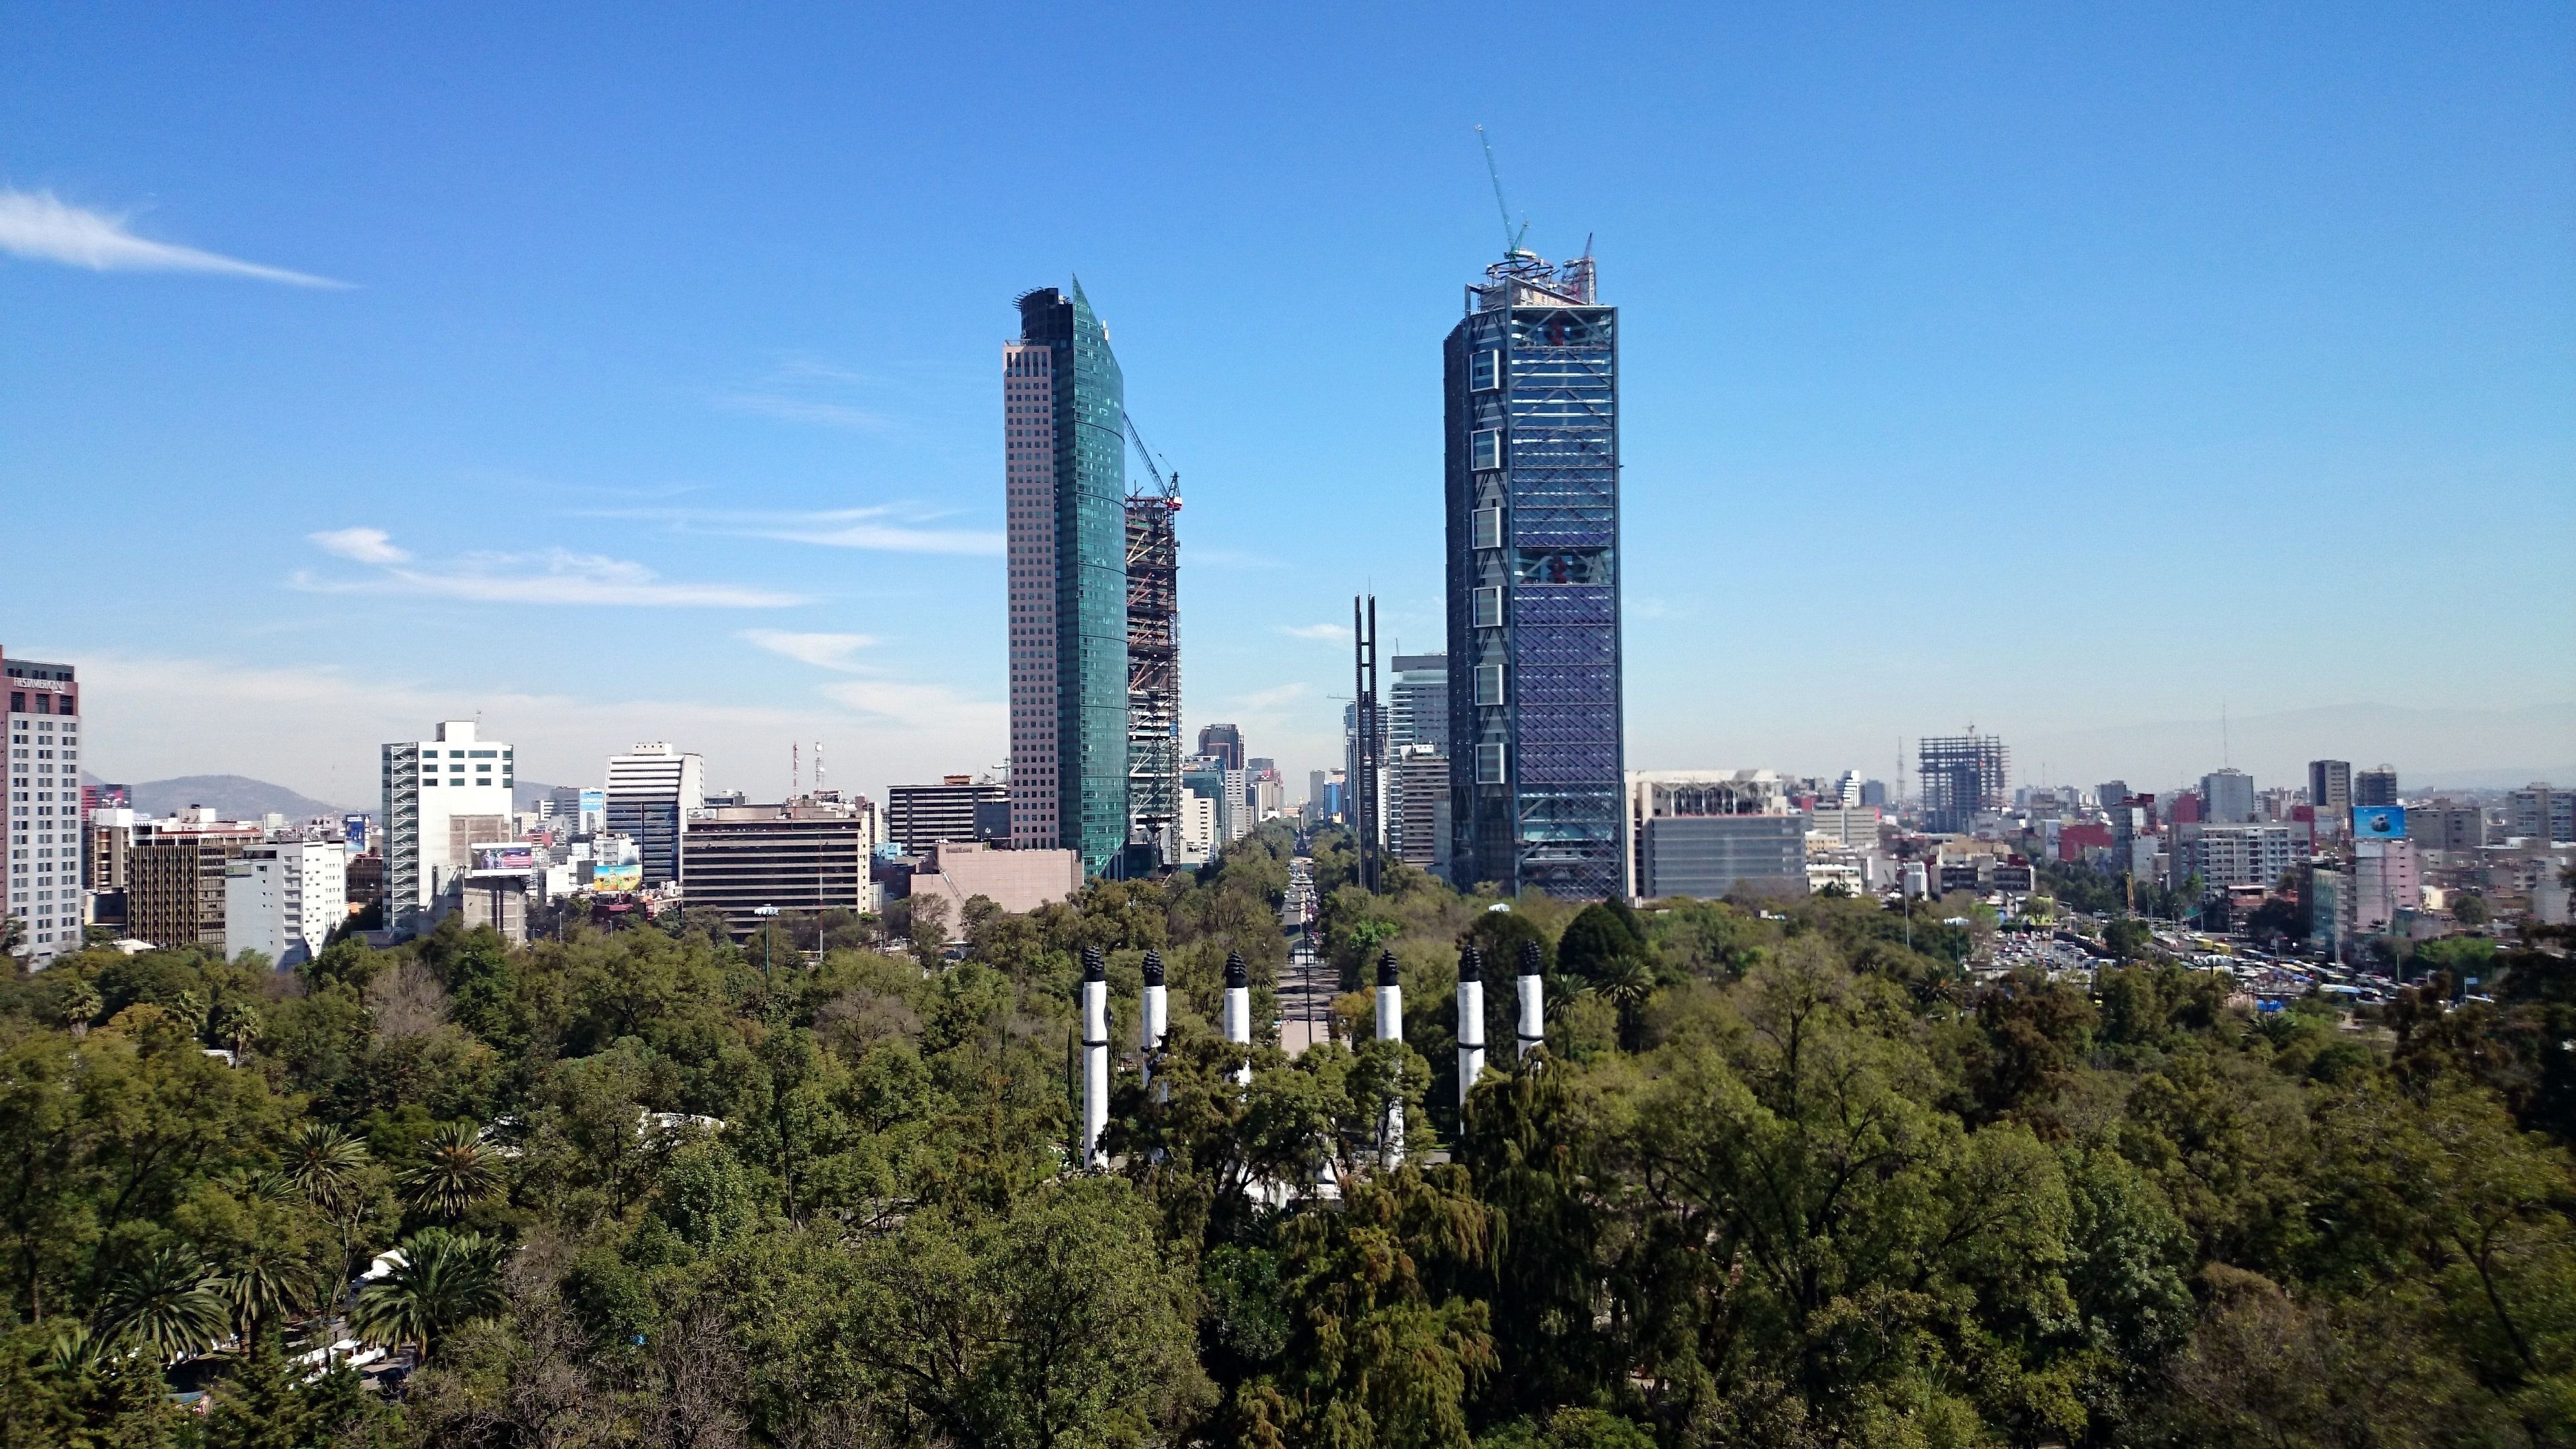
[[1153, 663], [1959, 776]]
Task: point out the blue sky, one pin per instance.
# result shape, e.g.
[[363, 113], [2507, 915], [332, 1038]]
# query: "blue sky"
[[2076, 371]]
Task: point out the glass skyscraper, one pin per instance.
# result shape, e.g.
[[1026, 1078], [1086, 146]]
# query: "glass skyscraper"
[[1535, 752], [1064, 428]]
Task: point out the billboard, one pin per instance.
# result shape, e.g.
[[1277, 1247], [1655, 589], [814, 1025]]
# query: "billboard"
[[353, 829], [515, 856], [628, 877], [2379, 822]]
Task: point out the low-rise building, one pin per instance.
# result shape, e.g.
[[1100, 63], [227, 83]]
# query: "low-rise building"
[[1016, 880], [959, 807], [1709, 856]]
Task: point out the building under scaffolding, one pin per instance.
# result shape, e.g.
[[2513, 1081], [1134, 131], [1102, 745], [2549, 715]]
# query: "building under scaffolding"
[[1153, 670], [1962, 774]]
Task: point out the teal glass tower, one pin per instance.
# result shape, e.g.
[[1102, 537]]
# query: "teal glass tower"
[[1064, 427]]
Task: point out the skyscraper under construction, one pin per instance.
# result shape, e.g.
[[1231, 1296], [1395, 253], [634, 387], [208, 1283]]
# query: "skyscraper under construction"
[[1535, 754], [1064, 421]]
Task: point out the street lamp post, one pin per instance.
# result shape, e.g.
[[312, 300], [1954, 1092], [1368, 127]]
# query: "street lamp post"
[[768, 916]]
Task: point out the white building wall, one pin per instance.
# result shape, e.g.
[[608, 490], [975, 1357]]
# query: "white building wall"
[[45, 831], [427, 786], [283, 900]]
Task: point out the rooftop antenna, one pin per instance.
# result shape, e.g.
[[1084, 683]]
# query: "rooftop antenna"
[[1511, 238], [818, 766], [795, 771]]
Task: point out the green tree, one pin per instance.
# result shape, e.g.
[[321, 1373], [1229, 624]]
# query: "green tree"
[[168, 1303], [453, 1173], [444, 1281], [1059, 1323]]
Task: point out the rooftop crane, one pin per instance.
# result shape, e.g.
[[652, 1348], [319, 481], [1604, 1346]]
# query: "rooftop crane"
[[1511, 239], [1166, 488]]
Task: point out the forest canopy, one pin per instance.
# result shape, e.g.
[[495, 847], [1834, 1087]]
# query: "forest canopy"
[[1782, 1177]]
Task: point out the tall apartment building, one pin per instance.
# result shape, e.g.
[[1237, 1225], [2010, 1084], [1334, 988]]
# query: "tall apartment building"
[[653, 790], [1961, 775], [45, 833], [2375, 787], [1418, 815], [2387, 878], [959, 807], [2227, 797], [442, 797], [2329, 790], [1536, 752], [2242, 854], [175, 891], [283, 898], [1065, 467], [808, 855], [2541, 811]]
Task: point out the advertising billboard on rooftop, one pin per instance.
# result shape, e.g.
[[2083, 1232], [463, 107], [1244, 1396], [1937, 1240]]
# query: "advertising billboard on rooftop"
[[2379, 822]]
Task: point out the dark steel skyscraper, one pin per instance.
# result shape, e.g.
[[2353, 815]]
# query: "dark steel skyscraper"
[[1535, 753], [1065, 426]]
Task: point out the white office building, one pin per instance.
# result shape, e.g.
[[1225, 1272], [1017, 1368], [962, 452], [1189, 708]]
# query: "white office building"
[[283, 899], [45, 834], [653, 789], [1197, 828], [442, 797]]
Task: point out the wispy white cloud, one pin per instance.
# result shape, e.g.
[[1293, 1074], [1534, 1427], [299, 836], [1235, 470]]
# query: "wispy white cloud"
[[556, 576], [823, 651], [1328, 633], [932, 707], [366, 545], [1274, 697], [886, 528], [805, 410], [41, 227]]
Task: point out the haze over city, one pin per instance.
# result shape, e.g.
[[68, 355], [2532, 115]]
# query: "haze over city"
[[2080, 376]]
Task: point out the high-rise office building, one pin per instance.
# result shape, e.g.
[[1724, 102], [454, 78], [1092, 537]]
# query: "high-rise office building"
[[653, 789], [442, 797], [45, 837], [1417, 702], [2375, 787], [1531, 388], [2227, 797], [176, 873], [1225, 742], [2329, 790], [1961, 775], [1065, 450]]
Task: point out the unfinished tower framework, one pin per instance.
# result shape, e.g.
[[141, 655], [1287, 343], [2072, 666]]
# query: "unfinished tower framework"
[[1153, 666]]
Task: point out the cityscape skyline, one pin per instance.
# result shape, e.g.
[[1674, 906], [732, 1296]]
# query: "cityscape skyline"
[[768, 521]]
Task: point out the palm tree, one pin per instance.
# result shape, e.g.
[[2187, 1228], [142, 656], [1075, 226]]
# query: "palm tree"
[[325, 1164], [1626, 983], [235, 1025], [81, 1005], [168, 1303], [268, 1284], [445, 1281], [453, 1174]]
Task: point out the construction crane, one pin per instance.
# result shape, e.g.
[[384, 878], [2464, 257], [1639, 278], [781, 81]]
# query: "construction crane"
[[1168, 489], [1511, 239]]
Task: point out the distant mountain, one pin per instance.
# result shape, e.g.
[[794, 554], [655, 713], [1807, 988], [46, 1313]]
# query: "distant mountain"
[[234, 797], [526, 793]]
